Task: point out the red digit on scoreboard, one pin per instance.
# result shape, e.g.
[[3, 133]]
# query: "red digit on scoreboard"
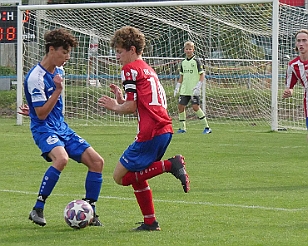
[[1, 33], [10, 33]]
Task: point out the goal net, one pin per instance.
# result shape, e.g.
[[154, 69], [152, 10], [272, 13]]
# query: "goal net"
[[233, 41]]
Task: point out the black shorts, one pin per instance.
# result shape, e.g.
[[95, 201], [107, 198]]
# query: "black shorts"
[[184, 100]]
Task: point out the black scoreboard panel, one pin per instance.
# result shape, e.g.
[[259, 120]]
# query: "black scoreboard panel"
[[8, 25]]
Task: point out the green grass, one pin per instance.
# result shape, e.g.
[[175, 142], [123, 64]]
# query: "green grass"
[[249, 186]]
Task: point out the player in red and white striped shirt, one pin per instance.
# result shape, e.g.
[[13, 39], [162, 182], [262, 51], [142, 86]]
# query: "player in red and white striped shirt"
[[298, 69], [145, 96]]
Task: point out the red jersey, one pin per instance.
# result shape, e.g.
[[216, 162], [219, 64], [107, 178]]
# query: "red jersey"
[[298, 71], [141, 84]]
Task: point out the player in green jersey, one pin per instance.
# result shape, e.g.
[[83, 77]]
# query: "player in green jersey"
[[189, 86]]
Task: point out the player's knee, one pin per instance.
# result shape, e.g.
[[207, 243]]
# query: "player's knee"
[[99, 164], [117, 179], [60, 162], [96, 165], [195, 107], [181, 108]]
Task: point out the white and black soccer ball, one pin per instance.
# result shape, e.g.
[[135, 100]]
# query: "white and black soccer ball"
[[78, 214]]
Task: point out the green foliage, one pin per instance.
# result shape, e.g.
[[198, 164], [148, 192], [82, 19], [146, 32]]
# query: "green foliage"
[[248, 187], [7, 103], [4, 71]]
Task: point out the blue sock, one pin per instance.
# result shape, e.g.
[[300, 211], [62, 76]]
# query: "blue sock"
[[49, 181], [93, 187]]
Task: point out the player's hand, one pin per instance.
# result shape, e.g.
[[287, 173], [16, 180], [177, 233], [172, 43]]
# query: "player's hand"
[[196, 92], [197, 89], [287, 93], [117, 92], [24, 110], [177, 89], [107, 102], [58, 81]]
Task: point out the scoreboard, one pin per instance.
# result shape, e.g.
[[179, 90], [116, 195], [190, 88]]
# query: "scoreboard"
[[8, 25]]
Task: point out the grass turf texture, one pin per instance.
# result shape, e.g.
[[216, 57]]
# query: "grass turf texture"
[[249, 186]]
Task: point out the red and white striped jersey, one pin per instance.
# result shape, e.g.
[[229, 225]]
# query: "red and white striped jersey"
[[298, 71]]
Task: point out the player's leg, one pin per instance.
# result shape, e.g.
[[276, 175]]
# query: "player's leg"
[[183, 101], [133, 159], [195, 101], [54, 151], [82, 152], [148, 164], [142, 193], [144, 197]]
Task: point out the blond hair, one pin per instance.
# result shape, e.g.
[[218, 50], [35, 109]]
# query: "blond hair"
[[300, 31], [190, 44]]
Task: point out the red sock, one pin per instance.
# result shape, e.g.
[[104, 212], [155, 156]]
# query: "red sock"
[[144, 198], [153, 170]]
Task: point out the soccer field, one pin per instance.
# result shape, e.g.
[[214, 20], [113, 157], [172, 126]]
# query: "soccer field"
[[249, 186]]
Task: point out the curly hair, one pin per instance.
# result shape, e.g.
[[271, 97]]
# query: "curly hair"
[[128, 36], [59, 37]]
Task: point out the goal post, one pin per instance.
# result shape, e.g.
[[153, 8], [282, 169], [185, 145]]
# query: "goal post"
[[236, 40]]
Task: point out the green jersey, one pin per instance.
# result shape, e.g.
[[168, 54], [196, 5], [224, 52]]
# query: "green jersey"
[[191, 70]]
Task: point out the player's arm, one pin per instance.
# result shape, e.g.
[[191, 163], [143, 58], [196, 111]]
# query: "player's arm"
[[118, 93], [43, 111], [202, 77], [127, 107], [180, 79], [179, 83], [197, 88], [291, 81]]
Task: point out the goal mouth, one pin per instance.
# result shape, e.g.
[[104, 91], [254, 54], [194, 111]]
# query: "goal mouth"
[[233, 41]]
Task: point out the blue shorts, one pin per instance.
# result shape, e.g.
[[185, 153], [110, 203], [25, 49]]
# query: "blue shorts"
[[73, 144], [139, 155]]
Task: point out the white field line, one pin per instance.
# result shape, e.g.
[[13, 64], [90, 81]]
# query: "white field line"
[[177, 202]]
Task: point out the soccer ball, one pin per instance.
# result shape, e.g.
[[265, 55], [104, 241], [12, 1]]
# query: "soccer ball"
[[78, 214]]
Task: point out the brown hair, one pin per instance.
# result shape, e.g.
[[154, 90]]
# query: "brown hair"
[[59, 37], [128, 36]]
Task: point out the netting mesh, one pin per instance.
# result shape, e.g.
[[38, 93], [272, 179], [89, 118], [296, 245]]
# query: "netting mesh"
[[232, 41]]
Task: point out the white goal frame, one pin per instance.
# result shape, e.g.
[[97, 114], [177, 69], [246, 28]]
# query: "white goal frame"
[[275, 32]]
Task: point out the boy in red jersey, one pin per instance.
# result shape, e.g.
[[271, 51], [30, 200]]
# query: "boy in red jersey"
[[298, 69], [145, 96]]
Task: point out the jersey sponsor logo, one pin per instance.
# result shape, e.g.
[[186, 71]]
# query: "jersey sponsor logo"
[[188, 71], [52, 140]]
